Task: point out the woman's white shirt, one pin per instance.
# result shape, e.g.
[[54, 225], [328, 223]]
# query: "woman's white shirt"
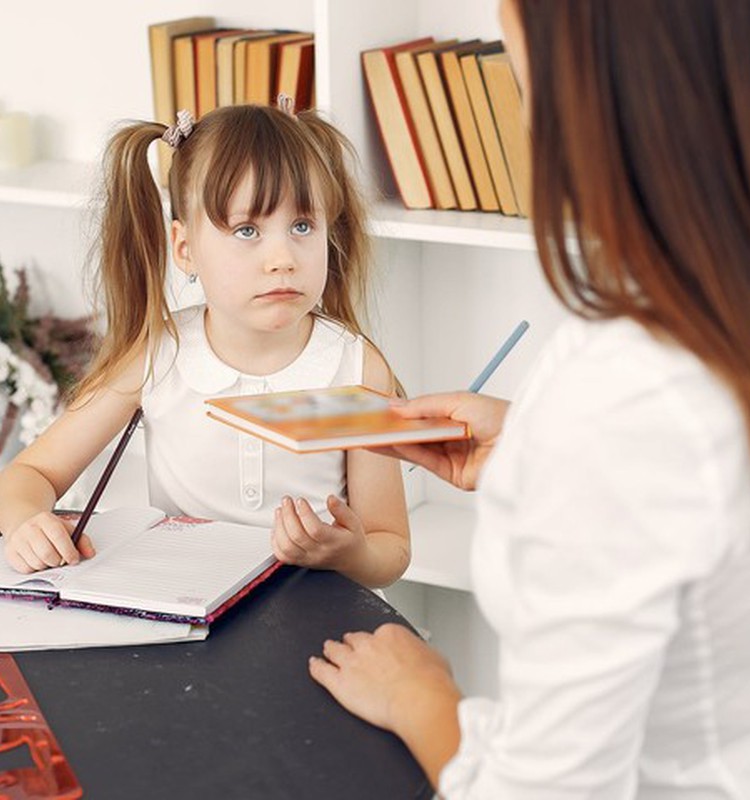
[[612, 557]]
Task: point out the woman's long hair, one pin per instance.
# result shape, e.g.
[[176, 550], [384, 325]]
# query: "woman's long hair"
[[640, 118]]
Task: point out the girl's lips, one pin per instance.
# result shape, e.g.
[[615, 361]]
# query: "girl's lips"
[[280, 294]]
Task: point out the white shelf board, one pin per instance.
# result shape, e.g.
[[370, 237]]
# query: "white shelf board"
[[68, 184], [478, 228], [60, 184], [441, 537]]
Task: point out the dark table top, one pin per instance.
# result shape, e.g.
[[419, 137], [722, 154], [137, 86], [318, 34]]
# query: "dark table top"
[[234, 716]]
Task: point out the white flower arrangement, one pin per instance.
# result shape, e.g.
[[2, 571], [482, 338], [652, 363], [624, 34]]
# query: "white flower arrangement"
[[23, 387], [41, 357]]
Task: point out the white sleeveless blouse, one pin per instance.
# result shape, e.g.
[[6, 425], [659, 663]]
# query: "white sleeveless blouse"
[[202, 468]]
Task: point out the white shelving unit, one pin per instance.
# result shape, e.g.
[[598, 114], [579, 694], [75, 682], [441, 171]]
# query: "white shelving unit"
[[449, 287]]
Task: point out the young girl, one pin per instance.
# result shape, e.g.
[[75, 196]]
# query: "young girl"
[[266, 216]]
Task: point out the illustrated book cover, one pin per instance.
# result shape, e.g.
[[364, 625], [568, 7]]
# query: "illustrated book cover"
[[333, 418]]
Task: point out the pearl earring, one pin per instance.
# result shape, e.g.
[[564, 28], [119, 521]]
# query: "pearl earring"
[[192, 277]]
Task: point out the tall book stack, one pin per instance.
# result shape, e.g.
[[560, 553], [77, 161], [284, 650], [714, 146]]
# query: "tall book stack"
[[450, 118], [198, 65]]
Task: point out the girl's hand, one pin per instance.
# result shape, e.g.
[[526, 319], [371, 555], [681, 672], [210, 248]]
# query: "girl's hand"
[[43, 541], [458, 462], [389, 678], [300, 537]]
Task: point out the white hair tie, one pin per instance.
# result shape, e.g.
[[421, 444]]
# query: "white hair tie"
[[178, 132], [286, 103]]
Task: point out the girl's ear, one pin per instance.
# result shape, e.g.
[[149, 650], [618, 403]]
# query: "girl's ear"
[[180, 247]]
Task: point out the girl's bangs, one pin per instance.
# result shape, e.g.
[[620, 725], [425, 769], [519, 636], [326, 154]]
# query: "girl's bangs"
[[282, 163]]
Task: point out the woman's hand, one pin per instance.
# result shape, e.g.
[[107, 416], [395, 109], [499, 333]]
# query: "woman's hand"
[[300, 537], [458, 462], [43, 541], [392, 679]]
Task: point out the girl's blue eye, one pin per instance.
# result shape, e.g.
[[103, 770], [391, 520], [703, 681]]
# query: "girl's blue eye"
[[302, 227], [246, 232]]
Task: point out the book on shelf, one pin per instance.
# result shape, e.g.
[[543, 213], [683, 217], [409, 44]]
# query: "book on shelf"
[[296, 72], [488, 133], [205, 67], [429, 70], [424, 125], [148, 565], [160, 37], [240, 62], [225, 57], [261, 66], [465, 121], [183, 55], [333, 418], [507, 109], [394, 122]]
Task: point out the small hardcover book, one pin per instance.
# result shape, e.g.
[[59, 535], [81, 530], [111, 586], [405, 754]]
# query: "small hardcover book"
[[334, 418], [148, 565]]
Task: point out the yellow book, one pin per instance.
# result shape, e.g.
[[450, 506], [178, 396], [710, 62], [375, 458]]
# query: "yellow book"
[[429, 69], [505, 100], [467, 125], [488, 133]]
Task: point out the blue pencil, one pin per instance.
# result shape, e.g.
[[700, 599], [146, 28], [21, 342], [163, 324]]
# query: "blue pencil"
[[495, 361]]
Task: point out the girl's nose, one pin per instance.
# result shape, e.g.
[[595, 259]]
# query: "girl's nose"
[[279, 259]]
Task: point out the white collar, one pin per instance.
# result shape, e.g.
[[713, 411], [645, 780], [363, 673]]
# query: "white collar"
[[204, 372]]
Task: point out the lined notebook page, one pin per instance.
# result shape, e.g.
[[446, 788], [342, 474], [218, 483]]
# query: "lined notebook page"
[[176, 568], [107, 530]]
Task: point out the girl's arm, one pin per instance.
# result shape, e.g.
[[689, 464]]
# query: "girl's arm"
[[369, 538], [376, 495], [30, 485]]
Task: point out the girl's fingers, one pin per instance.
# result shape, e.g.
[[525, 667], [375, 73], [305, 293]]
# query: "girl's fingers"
[[66, 551], [313, 526], [283, 547], [19, 564], [29, 557], [86, 547], [294, 528]]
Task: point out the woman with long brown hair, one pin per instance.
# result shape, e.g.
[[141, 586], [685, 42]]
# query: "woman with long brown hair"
[[612, 553]]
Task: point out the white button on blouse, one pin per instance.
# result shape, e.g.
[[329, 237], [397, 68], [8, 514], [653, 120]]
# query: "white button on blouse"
[[201, 468]]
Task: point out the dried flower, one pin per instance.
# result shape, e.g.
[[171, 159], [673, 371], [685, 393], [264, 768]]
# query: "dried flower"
[[40, 359]]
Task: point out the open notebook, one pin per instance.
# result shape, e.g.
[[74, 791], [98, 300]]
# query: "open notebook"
[[148, 565]]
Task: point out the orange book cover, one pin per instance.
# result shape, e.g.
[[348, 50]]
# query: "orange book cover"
[[332, 418], [424, 125], [205, 68], [296, 72], [261, 65], [397, 131]]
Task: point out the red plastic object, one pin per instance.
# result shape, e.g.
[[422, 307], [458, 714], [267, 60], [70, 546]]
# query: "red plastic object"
[[23, 724]]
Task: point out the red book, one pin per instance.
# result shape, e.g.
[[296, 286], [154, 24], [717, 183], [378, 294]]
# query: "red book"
[[395, 124]]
